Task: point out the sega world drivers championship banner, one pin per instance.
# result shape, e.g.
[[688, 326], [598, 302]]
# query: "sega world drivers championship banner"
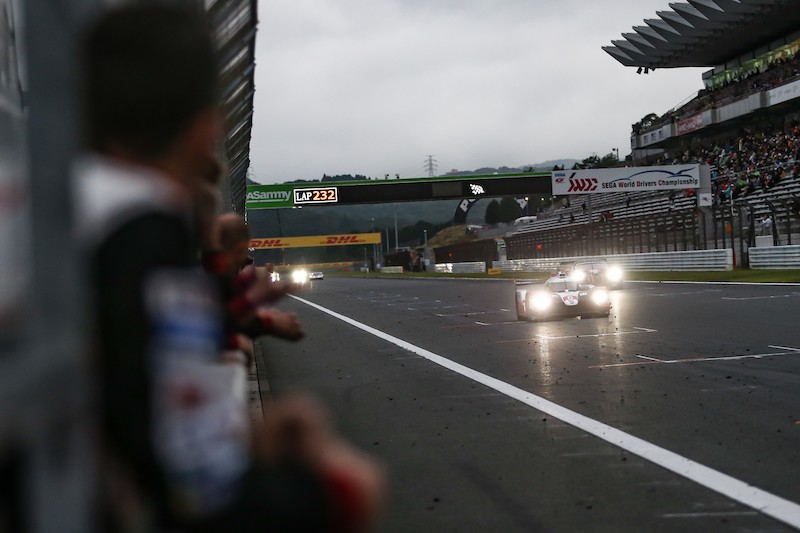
[[627, 179]]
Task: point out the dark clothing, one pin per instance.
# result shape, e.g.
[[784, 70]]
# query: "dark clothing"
[[121, 266], [168, 416]]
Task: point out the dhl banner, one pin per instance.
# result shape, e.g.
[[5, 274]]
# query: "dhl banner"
[[317, 240], [315, 266]]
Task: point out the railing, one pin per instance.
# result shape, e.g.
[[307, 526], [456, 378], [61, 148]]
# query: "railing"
[[775, 257], [694, 260], [474, 267]]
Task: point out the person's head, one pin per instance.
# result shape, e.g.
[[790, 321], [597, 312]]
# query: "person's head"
[[150, 88], [207, 200], [233, 239]]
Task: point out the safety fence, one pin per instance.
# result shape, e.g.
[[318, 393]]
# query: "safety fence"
[[473, 267], [697, 260], [775, 257]]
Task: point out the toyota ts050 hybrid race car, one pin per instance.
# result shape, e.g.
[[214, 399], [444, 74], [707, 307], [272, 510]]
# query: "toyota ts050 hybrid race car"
[[560, 296]]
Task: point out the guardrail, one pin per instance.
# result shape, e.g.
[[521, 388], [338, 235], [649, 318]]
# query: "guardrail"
[[392, 269], [475, 267], [775, 257], [698, 260]]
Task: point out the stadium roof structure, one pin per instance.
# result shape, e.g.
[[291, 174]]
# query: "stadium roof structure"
[[234, 25], [707, 33]]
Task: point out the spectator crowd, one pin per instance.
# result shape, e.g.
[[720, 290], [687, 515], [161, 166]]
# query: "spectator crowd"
[[754, 160], [774, 74]]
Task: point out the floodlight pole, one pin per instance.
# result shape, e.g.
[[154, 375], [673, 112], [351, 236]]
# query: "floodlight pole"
[[396, 241]]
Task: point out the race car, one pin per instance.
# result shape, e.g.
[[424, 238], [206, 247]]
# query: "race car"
[[560, 296], [598, 272], [316, 275]]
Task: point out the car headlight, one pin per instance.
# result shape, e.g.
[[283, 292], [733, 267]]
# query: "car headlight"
[[614, 274], [299, 276], [274, 276], [600, 297], [541, 301], [578, 275]]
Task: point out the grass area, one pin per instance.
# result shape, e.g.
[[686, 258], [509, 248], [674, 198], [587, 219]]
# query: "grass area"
[[738, 275]]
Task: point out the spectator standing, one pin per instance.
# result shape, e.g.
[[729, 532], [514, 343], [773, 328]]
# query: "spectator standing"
[[168, 438], [766, 225], [794, 206]]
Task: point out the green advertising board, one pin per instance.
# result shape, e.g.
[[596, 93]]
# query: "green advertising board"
[[269, 196]]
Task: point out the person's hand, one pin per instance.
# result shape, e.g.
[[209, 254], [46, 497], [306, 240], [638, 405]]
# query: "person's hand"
[[297, 428], [265, 291], [357, 483], [281, 324], [246, 346]]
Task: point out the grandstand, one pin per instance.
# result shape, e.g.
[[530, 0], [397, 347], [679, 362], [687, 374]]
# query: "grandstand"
[[743, 122]]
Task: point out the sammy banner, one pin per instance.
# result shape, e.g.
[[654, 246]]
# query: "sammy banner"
[[627, 179]]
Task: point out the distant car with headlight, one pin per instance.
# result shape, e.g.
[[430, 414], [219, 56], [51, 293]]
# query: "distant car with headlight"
[[560, 296], [316, 275], [299, 275], [599, 273]]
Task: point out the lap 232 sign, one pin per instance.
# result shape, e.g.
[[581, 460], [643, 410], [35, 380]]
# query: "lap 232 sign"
[[316, 195]]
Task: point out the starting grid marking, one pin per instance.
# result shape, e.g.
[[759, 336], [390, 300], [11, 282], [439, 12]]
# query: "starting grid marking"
[[584, 336], [786, 350], [707, 291], [471, 313], [790, 295]]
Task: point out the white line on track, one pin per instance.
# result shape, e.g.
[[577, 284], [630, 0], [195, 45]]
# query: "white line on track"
[[584, 336], [654, 360], [587, 335], [684, 293], [720, 514], [784, 348], [468, 314], [772, 297], [769, 504], [792, 351]]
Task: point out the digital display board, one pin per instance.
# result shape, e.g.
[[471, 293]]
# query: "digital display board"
[[316, 195], [398, 190]]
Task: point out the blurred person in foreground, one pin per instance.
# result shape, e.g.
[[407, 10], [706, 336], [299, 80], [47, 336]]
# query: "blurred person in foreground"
[[176, 458], [224, 246], [229, 262]]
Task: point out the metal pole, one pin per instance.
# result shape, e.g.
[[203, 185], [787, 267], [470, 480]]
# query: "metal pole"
[[396, 241]]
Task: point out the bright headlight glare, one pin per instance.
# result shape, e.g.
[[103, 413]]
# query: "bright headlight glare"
[[579, 275], [299, 276], [541, 301], [599, 297], [614, 274]]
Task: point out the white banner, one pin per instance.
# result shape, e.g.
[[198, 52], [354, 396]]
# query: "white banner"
[[626, 179], [784, 93]]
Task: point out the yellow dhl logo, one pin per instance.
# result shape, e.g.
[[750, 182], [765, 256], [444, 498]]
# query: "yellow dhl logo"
[[318, 240]]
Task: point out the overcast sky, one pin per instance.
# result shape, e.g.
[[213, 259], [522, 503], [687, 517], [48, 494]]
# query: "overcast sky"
[[375, 86]]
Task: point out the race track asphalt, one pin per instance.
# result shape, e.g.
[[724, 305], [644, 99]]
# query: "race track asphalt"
[[439, 380]]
